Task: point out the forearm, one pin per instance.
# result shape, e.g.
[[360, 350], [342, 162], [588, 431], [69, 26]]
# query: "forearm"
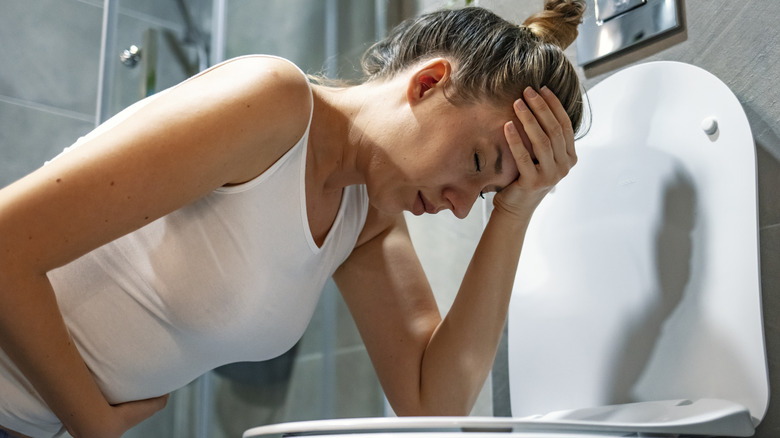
[[34, 335], [463, 347]]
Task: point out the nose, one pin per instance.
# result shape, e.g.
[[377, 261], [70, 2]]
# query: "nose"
[[460, 200]]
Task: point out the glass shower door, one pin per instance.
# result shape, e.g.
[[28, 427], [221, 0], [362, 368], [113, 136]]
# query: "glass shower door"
[[150, 45]]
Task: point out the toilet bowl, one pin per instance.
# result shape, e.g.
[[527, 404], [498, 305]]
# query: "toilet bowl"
[[637, 308]]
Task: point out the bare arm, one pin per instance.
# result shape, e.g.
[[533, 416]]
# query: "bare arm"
[[226, 126], [417, 354]]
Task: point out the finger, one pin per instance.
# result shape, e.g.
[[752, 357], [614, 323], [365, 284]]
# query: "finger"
[[563, 118], [548, 122], [540, 141], [523, 159]]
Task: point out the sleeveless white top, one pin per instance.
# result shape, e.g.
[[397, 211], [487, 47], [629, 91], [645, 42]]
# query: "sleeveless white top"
[[232, 277]]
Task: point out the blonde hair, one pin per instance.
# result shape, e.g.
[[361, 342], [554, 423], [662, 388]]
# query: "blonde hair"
[[493, 58]]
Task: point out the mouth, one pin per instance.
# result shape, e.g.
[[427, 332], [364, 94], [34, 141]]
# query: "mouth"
[[422, 205], [418, 207], [427, 206]]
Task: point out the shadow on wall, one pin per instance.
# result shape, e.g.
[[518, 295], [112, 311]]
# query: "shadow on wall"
[[673, 260]]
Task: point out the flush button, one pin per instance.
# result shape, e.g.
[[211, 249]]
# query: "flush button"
[[709, 125], [608, 9]]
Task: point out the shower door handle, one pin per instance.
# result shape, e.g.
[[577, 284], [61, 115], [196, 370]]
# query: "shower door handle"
[[146, 56]]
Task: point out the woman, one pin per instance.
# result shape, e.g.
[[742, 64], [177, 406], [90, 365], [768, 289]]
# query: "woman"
[[197, 227]]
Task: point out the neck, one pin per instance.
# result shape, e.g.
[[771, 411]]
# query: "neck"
[[343, 133]]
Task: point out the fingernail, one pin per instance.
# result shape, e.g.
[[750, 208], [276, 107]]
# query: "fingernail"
[[520, 105], [546, 91], [530, 93]]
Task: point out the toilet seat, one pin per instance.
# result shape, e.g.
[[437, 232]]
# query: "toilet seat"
[[669, 162], [708, 417]]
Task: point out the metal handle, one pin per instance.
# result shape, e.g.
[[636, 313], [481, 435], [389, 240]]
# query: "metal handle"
[[131, 56]]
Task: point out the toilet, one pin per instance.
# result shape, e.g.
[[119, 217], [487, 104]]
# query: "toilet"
[[636, 310]]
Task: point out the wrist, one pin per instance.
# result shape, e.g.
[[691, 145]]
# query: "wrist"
[[516, 213]]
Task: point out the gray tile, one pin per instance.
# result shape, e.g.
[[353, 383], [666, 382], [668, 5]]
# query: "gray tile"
[[238, 406], [359, 393], [50, 50], [347, 334], [167, 10], [770, 290], [269, 27], [29, 137], [304, 400], [768, 168]]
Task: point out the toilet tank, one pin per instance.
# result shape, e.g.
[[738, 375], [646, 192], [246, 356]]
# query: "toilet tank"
[[639, 278]]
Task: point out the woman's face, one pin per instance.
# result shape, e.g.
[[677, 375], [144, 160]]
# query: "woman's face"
[[444, 158]]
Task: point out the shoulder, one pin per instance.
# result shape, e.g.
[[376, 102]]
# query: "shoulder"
[[276, 84], [263, 103]]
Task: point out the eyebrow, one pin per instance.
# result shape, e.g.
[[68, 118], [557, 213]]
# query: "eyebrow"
[[498, 159]]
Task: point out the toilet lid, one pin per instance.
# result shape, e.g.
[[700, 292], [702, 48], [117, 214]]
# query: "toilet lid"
[[640, 279]]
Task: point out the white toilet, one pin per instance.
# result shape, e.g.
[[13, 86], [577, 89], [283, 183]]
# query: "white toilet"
[[637, 304]]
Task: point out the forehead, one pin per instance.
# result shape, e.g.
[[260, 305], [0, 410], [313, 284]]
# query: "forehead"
[[483, 122]]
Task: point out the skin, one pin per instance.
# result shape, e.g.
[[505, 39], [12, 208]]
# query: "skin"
[[413, 149]]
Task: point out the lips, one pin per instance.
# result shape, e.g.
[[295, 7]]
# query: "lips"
[[418, 207], [429, 207], [422, 205]]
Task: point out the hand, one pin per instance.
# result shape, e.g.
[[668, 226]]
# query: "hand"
[[548, 129]]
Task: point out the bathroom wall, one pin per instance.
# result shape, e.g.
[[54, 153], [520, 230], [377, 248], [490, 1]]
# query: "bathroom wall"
[[47, 84], [737, 42], [49, 76]]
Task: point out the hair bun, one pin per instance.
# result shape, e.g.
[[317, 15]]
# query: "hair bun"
[[558, 22]]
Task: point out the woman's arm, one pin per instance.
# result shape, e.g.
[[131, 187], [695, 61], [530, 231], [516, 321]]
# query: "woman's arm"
[[433, 366], [225, 126]]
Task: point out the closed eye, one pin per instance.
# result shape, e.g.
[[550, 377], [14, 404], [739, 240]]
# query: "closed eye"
[[479, 169]]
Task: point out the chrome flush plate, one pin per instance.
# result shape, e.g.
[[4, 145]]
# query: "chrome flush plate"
[[610, 26]]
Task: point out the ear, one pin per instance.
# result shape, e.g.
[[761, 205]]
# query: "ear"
[[428, 77]]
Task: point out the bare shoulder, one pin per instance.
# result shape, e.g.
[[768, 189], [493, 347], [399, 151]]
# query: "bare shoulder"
[[264, 102], [275, 83]]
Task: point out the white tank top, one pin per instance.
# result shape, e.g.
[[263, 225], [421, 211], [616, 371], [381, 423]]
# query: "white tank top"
[[232, 277]]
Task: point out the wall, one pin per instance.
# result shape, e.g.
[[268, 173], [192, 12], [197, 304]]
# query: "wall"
[[736, 41], [47, 85], [49, 77]]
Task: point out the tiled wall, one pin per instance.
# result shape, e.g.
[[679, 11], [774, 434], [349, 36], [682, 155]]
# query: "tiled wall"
[[48, 79]]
